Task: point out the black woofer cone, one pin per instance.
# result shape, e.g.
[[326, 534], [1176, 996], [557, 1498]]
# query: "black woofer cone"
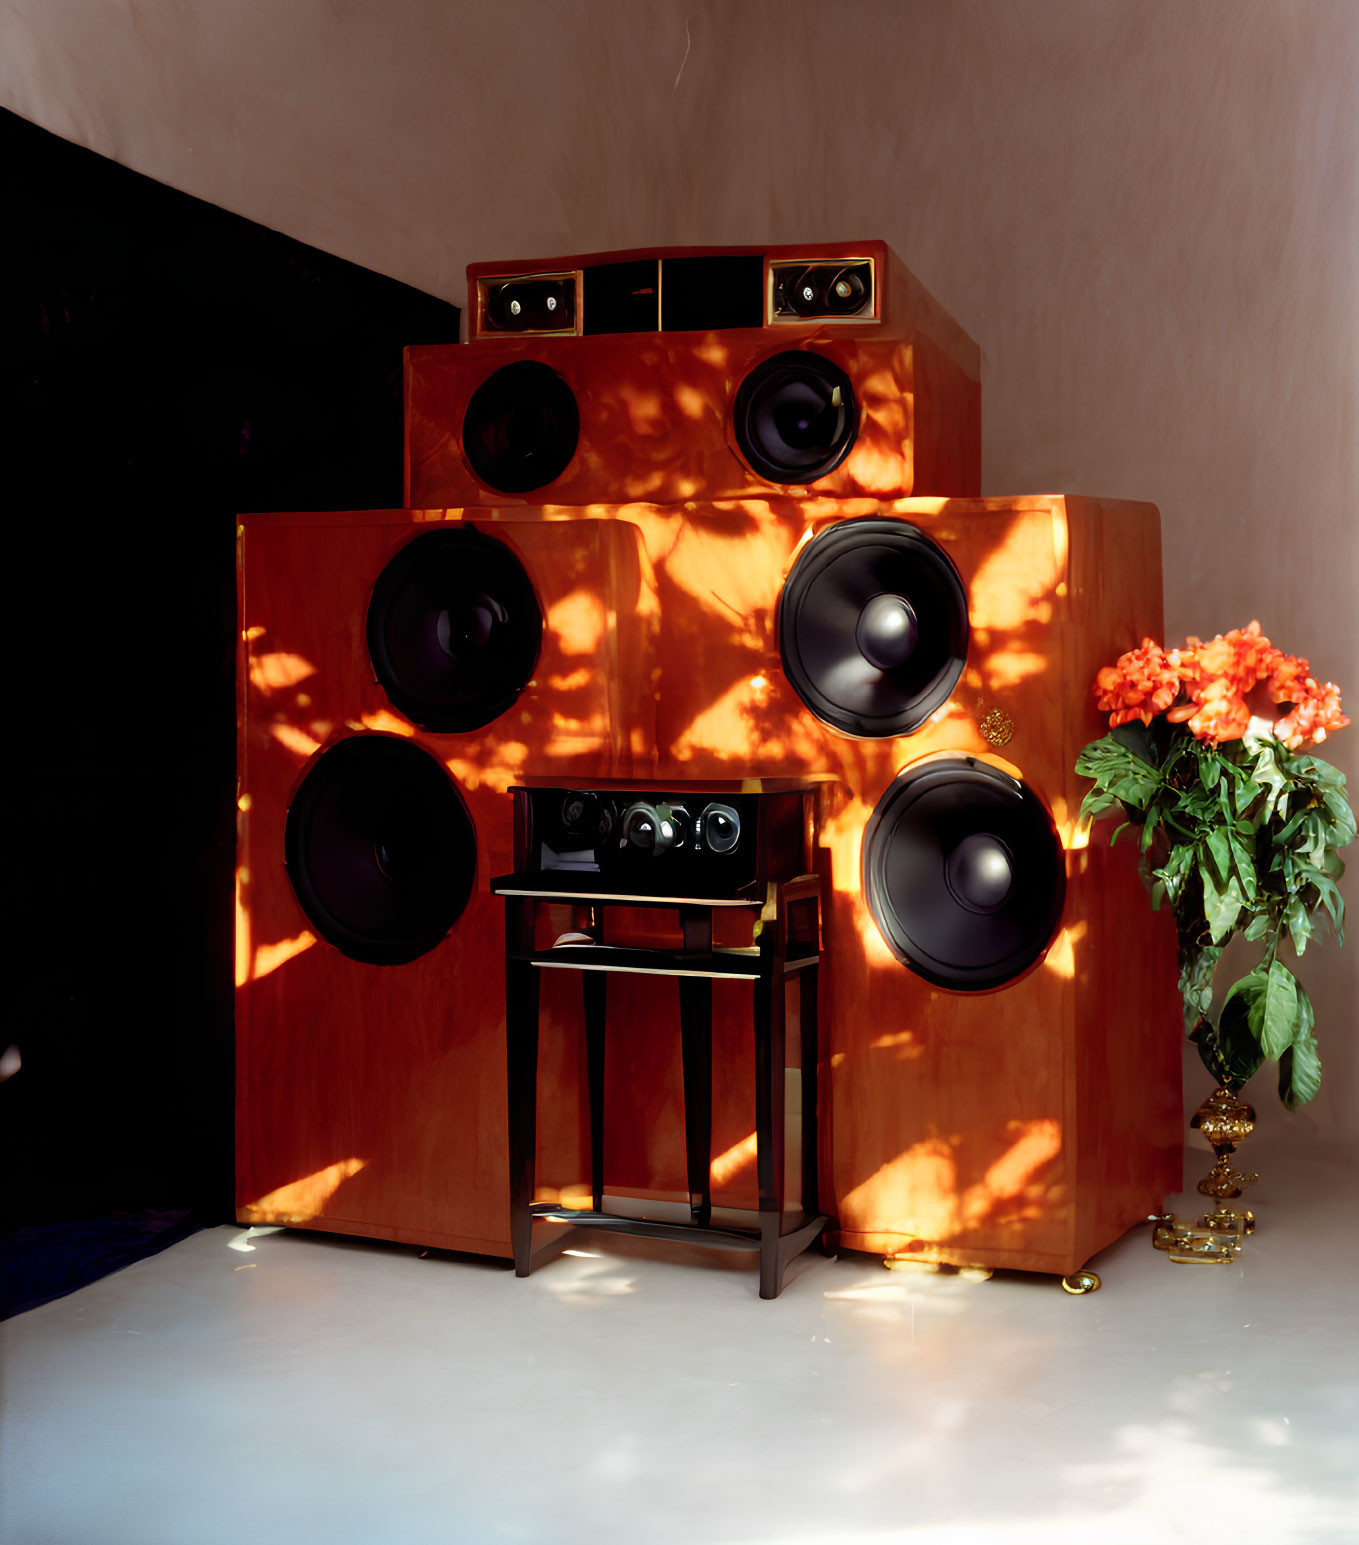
[[380, 849], [795, 417], [873, 627], [454, 629], [521, 427], [964, 873]]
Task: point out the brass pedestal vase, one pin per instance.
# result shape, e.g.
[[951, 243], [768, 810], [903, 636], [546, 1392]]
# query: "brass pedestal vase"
[[1218, 1236]]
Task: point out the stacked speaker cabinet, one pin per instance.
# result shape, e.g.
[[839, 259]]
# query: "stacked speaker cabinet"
[[399, 670], [1003, 1073], [998, 999], [676, 375]]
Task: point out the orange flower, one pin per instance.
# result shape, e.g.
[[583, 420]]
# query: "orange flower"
[[1288, 680], [1217, 712], [1242, 657], [1316, 713], [1219, 679], [1139, 685]]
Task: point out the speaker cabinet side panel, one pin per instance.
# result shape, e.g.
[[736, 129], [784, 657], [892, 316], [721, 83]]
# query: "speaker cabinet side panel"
[[1128, 1017], [1128, 1037], [946, 443]]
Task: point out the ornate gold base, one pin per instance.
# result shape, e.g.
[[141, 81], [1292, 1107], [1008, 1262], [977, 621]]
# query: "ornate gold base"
[[1218, 1236]]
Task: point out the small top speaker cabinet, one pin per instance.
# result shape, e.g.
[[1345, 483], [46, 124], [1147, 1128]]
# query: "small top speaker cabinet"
[[859, 286], [668, 375]]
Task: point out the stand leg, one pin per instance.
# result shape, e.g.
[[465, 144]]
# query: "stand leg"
[[696, 1037], [811, 1191], [770, 1079], [595, 986], [521, 1046]]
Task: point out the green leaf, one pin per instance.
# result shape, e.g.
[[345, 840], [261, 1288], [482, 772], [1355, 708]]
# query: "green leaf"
[[1243, 861], [1119, 771], [1291, 827], [1173, 873], [1095, 803], [1244, 795], [1300, 1065], [1196, 982], [1258, 927], [1298, 922], [1333, 901], [1319, 771], [1221, 904], [1342, 827], [1270, 1000], [1219, 848], [1210, 769], [1271, 776], [1135, 737]]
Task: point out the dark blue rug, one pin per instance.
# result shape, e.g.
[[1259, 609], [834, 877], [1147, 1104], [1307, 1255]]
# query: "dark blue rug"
[[43, 1261]]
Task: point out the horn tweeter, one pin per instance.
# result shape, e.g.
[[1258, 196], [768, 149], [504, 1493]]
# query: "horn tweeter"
[[380, 849], [454, 629], [873, 627], [964, 874]]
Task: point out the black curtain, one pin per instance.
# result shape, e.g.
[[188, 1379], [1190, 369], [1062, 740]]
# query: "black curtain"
[[168, 365]]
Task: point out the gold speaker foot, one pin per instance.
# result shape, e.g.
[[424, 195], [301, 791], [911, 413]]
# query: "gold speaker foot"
[[1081, 1282]]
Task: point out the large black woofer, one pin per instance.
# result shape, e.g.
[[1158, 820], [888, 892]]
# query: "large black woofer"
[[521, 427], [964, 873], [873, 627], [454, 629], [380, 849], [795, 417]]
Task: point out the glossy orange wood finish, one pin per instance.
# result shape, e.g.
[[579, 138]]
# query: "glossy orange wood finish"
[[371, 1099], [655, 417], [1026, 1127]]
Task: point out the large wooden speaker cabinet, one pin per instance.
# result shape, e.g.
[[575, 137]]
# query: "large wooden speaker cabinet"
[[674, 375], [397, 674], [997, 996]]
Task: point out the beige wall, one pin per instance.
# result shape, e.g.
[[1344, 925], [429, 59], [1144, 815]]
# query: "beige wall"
[[1146, 211]]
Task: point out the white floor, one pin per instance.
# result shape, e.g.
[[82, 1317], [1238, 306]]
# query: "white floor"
[[311, 1389]]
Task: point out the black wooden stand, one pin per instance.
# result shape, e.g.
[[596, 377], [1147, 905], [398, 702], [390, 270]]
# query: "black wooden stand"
[[779, 954]]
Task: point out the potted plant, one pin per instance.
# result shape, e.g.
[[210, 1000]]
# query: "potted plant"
[[1240, 826]]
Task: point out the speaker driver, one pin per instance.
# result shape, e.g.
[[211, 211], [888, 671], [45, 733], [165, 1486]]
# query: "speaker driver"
[[454, 629], [795, 417], [521, 427], [964, 873], [873, 627], [380, 849]]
